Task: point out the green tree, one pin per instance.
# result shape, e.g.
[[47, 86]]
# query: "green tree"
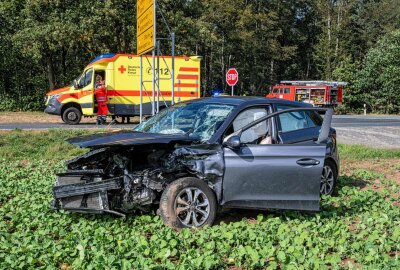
[[379, 78], [353, 96]]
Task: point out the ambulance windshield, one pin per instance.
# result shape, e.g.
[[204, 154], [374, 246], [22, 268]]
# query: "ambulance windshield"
[[199, 120]]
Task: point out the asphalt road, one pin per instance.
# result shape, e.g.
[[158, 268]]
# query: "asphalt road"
[[339, 121], [376, 131], [365, 121]]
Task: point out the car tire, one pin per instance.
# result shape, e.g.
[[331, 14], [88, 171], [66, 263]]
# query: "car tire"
[[62, 118], [188, 202], [72, 116], [328, 178]]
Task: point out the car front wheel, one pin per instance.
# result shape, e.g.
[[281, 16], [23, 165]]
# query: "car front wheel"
[[328, 178], [188, 202], [72, 116]]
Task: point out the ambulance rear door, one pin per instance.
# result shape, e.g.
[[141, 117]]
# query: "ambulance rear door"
[[124, 88]]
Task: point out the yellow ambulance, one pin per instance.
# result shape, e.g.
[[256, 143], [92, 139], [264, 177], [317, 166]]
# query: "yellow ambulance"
[[121, 73]]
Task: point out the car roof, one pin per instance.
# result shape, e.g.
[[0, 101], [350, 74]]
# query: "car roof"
[[248, 100]]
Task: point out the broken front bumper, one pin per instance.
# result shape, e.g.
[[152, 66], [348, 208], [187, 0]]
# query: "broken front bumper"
[[53, 106], [86, 193]]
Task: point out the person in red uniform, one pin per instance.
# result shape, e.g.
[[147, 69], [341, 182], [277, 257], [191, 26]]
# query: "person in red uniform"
[[101, 98]]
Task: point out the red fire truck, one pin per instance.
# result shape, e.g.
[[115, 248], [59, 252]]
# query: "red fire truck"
[[317, 93]]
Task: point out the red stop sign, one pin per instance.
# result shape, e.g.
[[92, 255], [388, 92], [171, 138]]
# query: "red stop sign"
[[232, 76]]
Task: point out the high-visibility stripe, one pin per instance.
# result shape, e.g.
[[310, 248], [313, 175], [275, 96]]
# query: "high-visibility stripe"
[[128, 93], [58, 91], [189, 69], [194, 85], [74, 95], [136, 93], [65, 96], [112, 59], [187, 77]]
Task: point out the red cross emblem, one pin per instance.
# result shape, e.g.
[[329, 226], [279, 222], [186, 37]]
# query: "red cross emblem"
[[122, 69]]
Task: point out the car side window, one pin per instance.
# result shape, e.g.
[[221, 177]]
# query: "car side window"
[[88, 77], [257, 134], [316, 118], [292, 121]]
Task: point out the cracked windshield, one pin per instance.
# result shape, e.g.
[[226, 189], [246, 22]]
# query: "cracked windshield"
[[198, 120]]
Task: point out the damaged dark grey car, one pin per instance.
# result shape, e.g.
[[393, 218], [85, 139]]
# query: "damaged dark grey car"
[[198, 157]]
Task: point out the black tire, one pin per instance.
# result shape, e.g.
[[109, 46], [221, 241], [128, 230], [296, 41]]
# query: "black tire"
[[328, 178], [72, 116], [176, 192], [62, 118]]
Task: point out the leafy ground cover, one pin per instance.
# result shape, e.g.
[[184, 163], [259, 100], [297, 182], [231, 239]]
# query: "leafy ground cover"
[[357, 228]]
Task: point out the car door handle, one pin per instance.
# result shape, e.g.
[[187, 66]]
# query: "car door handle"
[[307, 162]]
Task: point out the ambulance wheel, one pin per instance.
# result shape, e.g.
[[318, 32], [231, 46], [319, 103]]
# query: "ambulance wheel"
[[72, 116]]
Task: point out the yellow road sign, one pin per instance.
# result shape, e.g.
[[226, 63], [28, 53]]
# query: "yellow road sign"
[[145, 21], [145, 42], [142, 6], [145, 26]]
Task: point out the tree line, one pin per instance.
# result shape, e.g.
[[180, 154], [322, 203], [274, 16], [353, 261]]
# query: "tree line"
[[45, 44]]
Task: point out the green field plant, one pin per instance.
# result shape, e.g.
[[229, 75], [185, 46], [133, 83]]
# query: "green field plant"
[[357, 228]]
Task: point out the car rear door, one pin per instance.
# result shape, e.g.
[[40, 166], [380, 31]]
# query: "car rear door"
[[281, 176]]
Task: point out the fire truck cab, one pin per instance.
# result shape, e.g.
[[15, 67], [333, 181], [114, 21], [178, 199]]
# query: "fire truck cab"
[[317, 93]]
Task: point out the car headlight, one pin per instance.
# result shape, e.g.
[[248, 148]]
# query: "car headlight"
[[55, 96]]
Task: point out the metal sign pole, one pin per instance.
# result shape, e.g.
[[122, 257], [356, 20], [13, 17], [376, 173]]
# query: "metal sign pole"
[[141, 89], [153, 64], [158, 76], [179, 91], [232, 91], [146, 37], [173, 67], [153, 82]]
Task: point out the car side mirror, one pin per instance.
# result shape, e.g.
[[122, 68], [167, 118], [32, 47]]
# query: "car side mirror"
[[232, 142], [76, 85]]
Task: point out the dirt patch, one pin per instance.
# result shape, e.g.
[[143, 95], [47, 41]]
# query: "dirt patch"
[[375, 185], [236, 268], [34, 117], [252, 221], [235, 215], [389, 168], [349, 261], [353, 225], [23, 163], [65, 266], [44, 118]]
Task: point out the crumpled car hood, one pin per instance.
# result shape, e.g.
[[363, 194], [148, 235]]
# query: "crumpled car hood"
[[126, 137]]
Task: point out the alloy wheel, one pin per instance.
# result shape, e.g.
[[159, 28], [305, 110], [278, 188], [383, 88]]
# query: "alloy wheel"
[[192, 207], [327, 180]]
